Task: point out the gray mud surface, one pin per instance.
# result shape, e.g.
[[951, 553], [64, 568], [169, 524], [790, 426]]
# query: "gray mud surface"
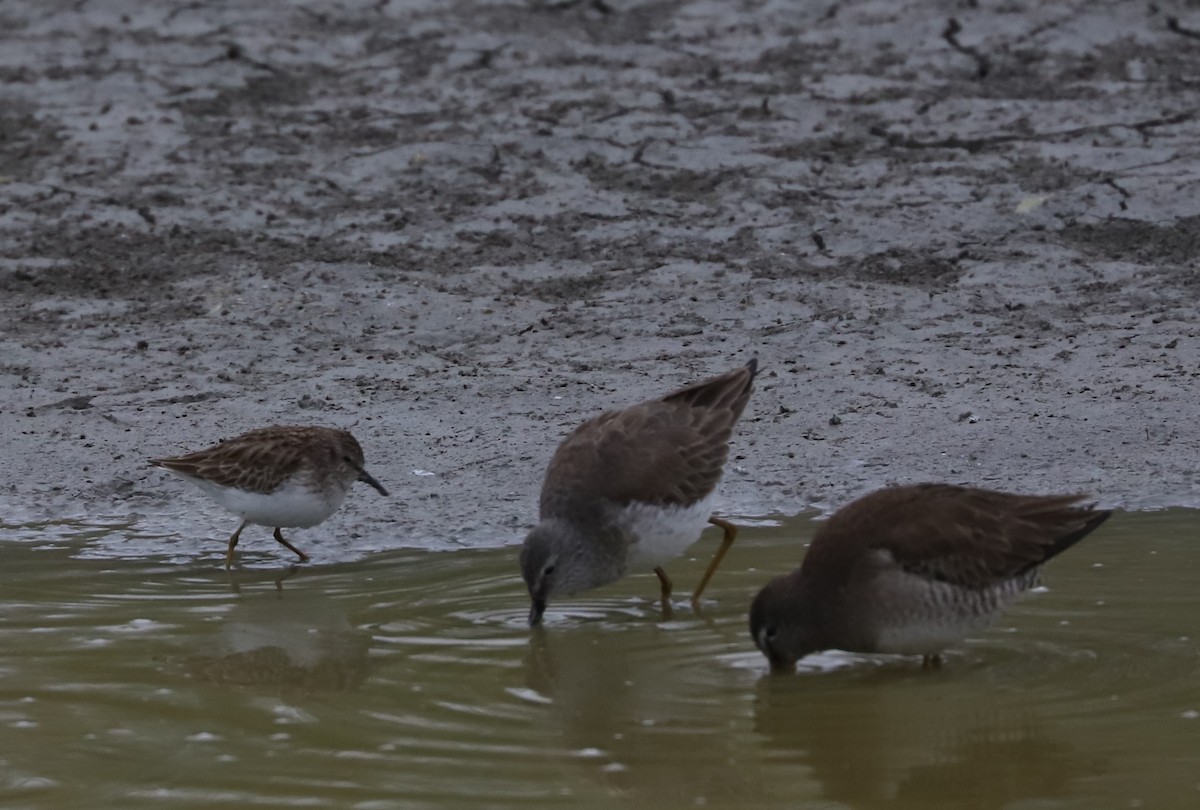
[[961, 238]]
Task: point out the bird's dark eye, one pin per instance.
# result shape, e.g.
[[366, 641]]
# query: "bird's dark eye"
[[770, 633], [548, 571]]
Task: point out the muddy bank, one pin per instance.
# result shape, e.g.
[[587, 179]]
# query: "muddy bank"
[[960, 240]]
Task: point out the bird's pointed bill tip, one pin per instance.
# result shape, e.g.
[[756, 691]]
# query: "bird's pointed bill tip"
[[367, 478], [535, 612]]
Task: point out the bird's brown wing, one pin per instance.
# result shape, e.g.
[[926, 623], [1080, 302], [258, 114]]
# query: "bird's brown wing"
[[669, 451], [257, 461], [969, 537]]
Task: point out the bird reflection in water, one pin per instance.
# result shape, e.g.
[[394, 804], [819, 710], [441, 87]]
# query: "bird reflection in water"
[[884, 738], [620, 700], [283, 639]]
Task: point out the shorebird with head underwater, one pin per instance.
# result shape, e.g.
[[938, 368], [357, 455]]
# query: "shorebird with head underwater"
[[632, 489], [910, 570]]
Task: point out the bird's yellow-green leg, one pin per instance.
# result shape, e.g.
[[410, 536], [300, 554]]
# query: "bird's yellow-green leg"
[[726, 542]]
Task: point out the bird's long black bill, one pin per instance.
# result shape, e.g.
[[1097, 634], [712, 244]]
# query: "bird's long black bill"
[[367, 478], [535, 612]]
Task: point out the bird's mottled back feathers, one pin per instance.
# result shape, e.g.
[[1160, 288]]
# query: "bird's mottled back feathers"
[[261, 460], [669, 451], [972, 538]]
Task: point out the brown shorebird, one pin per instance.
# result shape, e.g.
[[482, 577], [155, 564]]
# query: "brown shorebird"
[[277, 476], [913, 569], [632, 489]]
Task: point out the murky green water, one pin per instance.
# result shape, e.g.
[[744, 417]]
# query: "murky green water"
[[411, 680]]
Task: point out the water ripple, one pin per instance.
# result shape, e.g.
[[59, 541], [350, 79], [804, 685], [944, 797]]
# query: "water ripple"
[[413, 679]]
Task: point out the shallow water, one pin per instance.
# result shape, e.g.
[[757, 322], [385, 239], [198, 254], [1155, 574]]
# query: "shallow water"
[[410, 680]]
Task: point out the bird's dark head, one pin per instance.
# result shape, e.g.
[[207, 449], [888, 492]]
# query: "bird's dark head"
[[349, 453], [778, 626]]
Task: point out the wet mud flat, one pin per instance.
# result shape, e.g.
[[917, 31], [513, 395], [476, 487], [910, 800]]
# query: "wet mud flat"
[[962, 242]]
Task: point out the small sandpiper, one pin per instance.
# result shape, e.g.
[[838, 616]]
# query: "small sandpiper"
[[910, 570], [632, 489], [277, 476]]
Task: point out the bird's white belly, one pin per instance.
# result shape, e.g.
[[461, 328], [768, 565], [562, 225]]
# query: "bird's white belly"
[[661, 534], [292, 505]]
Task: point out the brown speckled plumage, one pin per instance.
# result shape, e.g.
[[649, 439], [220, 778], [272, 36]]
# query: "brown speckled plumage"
[[277, 476], [262, 460]]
